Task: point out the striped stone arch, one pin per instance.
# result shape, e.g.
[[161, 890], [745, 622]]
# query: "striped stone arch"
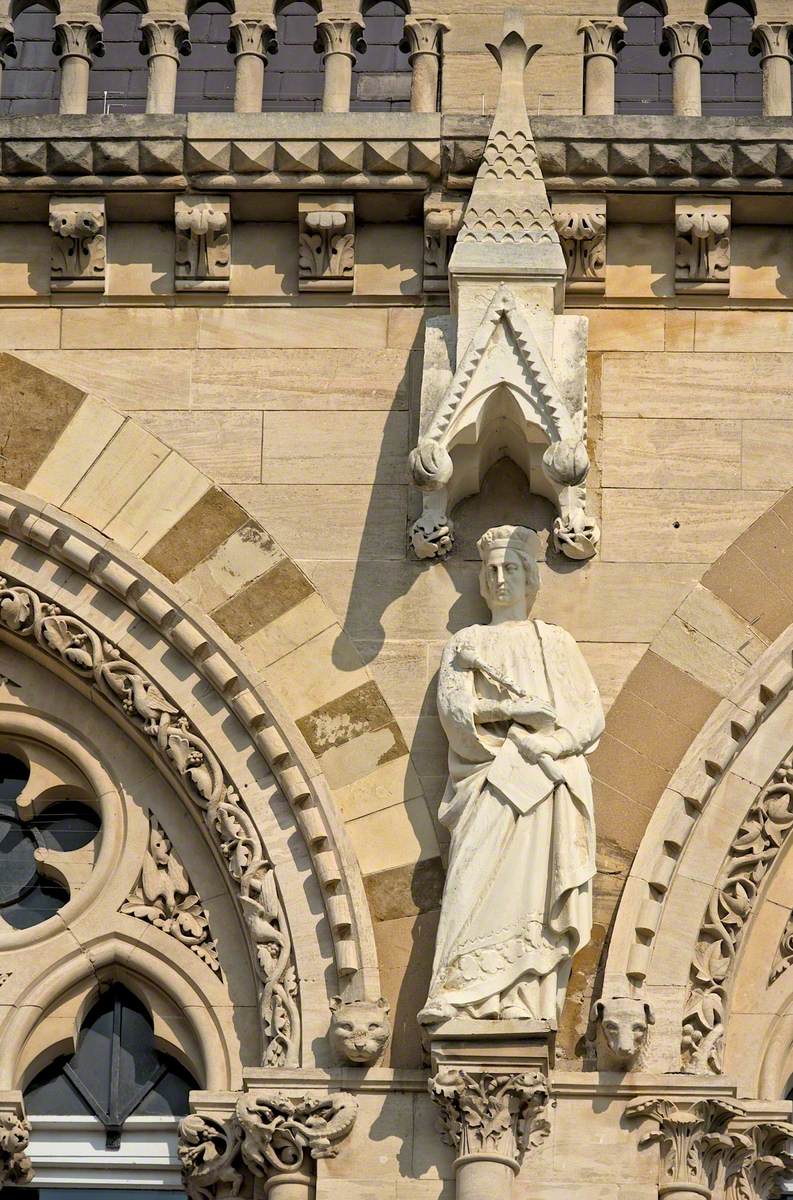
[[71, 454], [695, 761]]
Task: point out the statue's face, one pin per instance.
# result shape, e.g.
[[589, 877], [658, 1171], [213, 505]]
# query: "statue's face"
[[505, 578]]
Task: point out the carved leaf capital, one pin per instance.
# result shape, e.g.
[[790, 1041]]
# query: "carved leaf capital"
[[604, 37], [79, 39], [484, 1112], [691, 1136], [423, 35], [687, 39], [340, 35], [15, 1166], [162, 36], [771, 39], [250, 36]]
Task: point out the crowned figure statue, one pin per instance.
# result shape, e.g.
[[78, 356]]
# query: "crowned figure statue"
[[520, 710]]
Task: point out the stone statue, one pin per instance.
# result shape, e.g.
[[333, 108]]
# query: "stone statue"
[[520, 710]]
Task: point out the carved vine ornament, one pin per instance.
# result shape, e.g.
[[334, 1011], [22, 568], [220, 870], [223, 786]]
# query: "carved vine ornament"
[[761, 835], [268, 1134], [188, 757], [489, 1113]]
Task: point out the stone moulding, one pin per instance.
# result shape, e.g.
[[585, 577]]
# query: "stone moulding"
[[72, 641], [69, 542], [707, 763], [754, 848]]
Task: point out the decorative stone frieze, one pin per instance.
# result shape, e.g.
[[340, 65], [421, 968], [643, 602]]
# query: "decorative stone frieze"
[[326, 246], [359, 1029], [165, 897], [702, 244], [270, 1135], [603, 39], [691, 1139], [77, 260], [15, 1166], [79, 648], [754, 849], [442, 218], [203, 243], [581, 224]]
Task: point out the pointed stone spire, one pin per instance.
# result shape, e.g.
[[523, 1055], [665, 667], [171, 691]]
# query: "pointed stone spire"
[[508, 228]]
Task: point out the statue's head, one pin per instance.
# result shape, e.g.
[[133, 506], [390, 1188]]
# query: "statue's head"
[[509, 571]]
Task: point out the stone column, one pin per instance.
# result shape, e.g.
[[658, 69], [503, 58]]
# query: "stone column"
[[603, 39], [422, 41], [771, 40], [338, 40], [250, 41], [76, 43], [163, 40], [686, 42]]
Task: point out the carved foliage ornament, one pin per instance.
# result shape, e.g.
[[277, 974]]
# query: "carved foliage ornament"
[[751, 855], [442, 220], [269, 1134], [127, 687], [326, 250], [78, 247], [582, 231], [491, 1113], [202, 243], [759, 1161], [784, 954], [702, 245], [165, 897], [15, 1166]]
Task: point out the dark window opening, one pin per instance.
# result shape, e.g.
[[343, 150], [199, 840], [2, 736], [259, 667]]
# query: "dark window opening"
[[732, 82], [294, 79], [27, 896], [114, 1073], [205, 82], [31, 81], [643, 82], [117, 83], [381, 75]]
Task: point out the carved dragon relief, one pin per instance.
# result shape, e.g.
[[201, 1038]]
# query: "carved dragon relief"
[[754, 848], [189, 758], [165, 897]]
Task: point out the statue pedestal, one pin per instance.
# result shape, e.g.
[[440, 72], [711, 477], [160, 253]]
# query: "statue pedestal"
[[498, 1046], [491, 1084]]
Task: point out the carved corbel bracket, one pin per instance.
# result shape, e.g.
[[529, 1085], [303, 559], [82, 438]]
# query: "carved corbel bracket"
[[77, 259], [269, 1136], [203, 243], [15, 1166], [546, 430], [581, 224], [703, 228], [442, 219], [326, 247]]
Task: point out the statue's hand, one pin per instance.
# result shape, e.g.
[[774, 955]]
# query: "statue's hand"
[[533, 712], [533, 745]]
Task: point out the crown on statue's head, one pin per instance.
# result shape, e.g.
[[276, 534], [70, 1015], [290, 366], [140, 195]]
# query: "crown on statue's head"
[[513, 537]]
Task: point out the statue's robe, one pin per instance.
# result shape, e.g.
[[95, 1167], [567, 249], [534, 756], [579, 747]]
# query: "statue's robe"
[[518, 897]]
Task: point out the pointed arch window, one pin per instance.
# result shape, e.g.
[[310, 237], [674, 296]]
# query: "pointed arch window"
[[115, 1073]]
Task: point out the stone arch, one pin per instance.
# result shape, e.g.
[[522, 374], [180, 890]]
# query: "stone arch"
[[205, 577]]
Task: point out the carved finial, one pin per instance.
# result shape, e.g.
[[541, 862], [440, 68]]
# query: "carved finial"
[[509, 203]]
